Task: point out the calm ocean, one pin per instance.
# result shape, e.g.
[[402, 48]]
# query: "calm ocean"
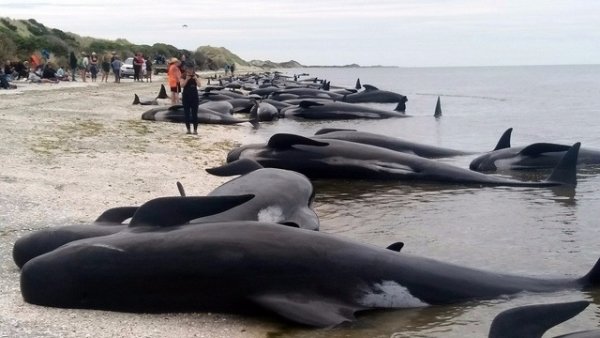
[[525, 231]]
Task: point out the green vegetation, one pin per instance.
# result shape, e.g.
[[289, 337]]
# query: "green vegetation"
[[20, 38], [63, 138]]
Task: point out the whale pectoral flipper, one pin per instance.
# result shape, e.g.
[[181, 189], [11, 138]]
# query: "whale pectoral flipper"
[[369, 87], [173, 211], [538, 149], [317, 311], [283, 141], [238, 167], [533, 320], [116, 215]]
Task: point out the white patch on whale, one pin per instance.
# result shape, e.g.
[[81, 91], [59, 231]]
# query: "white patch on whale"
[[504, 164], [271, 214], [389, 294]]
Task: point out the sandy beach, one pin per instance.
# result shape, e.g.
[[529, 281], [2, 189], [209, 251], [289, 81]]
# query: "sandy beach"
[[69, 151]]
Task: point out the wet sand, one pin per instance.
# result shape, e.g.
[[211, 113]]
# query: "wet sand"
[[69, 151]]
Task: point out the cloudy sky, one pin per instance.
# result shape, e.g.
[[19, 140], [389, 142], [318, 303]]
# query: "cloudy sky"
[[403, 33]]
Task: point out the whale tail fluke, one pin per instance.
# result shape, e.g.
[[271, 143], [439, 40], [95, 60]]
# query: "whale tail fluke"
[[162, 94], [438, 108], [136, 99], [565, 172], [533, 320], [401, 107], [504, 141]]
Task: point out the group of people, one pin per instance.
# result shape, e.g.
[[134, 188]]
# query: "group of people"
[[182, 79], [92, 64]]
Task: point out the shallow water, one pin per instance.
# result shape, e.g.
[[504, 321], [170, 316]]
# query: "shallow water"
[[526, 231]]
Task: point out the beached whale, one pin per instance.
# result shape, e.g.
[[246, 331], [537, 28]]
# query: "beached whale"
[[111, 222], [336, 159], [323, 110], [393, 143], [206, 116], [532, 321], [372, 94], [162, 94], [308, 277], [533, 156], [280, 196], [46, 240]]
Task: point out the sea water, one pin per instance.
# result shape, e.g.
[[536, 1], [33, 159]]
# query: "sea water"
[[526, 231]]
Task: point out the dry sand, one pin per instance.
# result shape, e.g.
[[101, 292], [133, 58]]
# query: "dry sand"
[[69, 151]]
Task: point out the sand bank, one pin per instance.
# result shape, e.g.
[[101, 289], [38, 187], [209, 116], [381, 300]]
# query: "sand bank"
[[71, 150]]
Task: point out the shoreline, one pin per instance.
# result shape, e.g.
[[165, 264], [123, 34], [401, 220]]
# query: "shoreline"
[[71, 151]]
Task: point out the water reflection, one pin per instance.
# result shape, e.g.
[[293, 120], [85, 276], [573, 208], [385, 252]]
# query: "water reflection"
[[417, 322]]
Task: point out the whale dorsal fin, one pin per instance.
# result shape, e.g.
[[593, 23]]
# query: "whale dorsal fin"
[[565, 172], [396, 246], [438, 108], [331, 130], [238, 167], [358, 85], [116, 215], [162, 93], [173, 211], [533, 320], [369, 88], [282, 141], [304, 309], [308, 104], [538, 149], [136, 99], [504, 141]]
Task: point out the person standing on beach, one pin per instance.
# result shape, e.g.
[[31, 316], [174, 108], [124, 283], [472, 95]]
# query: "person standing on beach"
[[116, 67], [94, 66], [83, 65], [105, 68], [189, 83], [173, 76], [148, 70], [138, 62], [232, 68], [73, 64]]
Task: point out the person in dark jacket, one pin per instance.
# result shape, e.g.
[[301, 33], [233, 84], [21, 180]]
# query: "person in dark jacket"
[[73, 64], [189, 97]]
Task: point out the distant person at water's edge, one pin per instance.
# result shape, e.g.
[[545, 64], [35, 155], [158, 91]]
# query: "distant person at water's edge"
[[189, 83], [173, 76]]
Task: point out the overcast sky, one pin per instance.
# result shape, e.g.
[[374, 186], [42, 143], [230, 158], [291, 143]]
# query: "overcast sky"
[[403, 33]]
